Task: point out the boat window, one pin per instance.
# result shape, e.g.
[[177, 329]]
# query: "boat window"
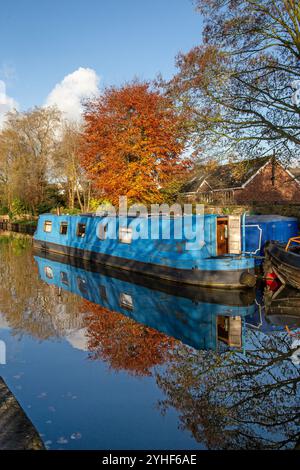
[[82, 286], [63, 228], [81, 230], [103, 293], [102, 231], [126, 301], [125, 235], [49, 272], [47, 226], [64, 278]]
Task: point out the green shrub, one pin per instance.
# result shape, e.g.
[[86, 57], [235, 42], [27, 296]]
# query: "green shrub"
[[17, 208], [4, 210]]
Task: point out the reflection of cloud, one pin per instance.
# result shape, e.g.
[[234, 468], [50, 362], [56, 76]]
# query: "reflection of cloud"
[[295, 357], [296, 95], [3, 323], [68, 95], [78, 339], [6, 103], [2, 353]]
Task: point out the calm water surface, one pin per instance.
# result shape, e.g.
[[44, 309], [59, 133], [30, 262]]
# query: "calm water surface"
[[100, 360]]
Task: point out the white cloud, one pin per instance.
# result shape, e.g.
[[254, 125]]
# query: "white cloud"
[[72, 90], [6, 103]]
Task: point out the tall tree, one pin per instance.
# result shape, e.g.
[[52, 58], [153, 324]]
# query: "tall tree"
[[67, 169], [240, 82], [27, 143], [134, 139]]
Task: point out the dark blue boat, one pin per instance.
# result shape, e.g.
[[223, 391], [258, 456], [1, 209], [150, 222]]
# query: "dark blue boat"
[[259, 229]]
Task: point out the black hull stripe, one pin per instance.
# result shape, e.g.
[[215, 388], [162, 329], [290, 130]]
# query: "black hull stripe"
[[228, 279], [232, 297]]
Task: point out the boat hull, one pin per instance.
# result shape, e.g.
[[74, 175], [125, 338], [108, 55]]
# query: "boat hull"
[[285, 264], [229, 278]]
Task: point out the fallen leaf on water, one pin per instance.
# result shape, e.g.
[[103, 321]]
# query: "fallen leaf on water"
[[62, 440]]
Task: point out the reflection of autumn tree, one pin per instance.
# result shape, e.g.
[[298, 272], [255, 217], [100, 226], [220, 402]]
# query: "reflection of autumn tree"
[[237, 401], [124, 343], [27, 304]]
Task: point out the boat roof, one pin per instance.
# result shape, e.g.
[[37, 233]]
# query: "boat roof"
[[93, 215], [269, 218]]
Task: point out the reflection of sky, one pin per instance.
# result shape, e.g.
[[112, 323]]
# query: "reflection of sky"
[[79, 403], [295, 358], [70, 398], [3, 322]]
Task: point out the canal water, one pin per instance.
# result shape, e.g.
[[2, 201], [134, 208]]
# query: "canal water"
[[105, 360]]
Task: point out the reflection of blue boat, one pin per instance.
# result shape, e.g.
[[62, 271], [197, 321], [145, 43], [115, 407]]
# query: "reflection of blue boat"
[[195, 316], [214, 260]]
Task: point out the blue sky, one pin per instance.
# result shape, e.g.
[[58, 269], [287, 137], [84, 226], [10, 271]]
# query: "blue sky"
[[42, 41]]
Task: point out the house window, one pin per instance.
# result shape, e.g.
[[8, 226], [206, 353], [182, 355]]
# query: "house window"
[[125, 235], [126, 301], [64, 278], [63, 228], [49, 272], [103, 293], [81, 230], [102, 231], [47, 226], [82, 286]]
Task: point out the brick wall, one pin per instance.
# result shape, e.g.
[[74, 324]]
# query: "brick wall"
[[260, 189]]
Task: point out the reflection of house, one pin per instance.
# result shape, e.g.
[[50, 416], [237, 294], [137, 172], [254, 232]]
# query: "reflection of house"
[[263, 180]]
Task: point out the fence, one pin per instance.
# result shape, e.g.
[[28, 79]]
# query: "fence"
[[19, 228]]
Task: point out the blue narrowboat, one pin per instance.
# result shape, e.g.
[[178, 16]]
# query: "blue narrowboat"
[[213, 258], [199, 317]]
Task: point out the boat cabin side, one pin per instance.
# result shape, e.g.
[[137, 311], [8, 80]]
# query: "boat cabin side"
[[221, 234]]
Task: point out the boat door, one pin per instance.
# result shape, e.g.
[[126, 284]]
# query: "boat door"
[[222, 235], [229, 235], [229, 330], [234, 234]]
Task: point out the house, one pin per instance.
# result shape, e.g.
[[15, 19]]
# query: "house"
[[260, 180]]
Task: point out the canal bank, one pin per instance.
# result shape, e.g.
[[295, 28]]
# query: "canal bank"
[[16, 430], [16, 227]]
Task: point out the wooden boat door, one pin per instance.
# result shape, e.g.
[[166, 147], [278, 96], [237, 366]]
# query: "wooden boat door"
[[229, 330], [234, 234]]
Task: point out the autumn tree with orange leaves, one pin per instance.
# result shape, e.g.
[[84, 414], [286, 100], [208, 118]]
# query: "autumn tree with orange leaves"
[[134, 139]]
